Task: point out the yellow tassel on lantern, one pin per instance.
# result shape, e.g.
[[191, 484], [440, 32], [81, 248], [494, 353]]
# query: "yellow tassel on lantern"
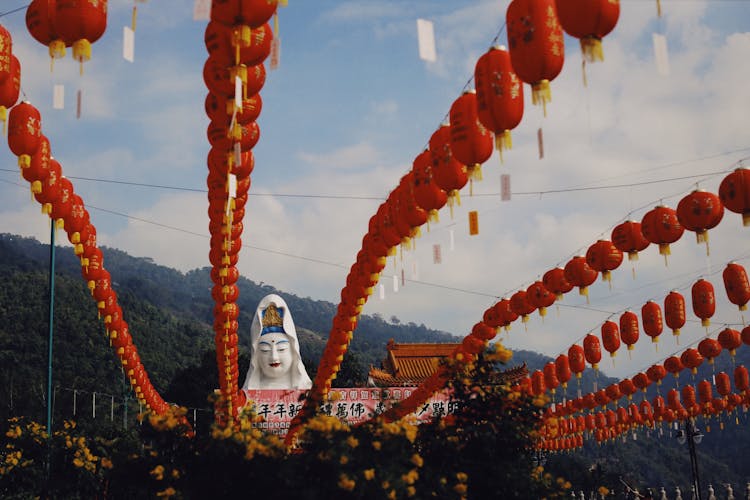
[[591, 47], [81, 52], [503, 140], [541, 94], [56, 51]]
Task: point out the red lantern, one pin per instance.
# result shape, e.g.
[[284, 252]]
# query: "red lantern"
[[554, 280], [24, 132], [539, 297], [499, 96], [427, 193], [448, 172], [38, 167], [661, 226], [745, 335], [611, 337], [705, 392], [734, 193], [613, 392], [627, 237], [741, 378], [578, 273], [537, 383], [537, 48], [61, 206], [673, 365], [656, 373], [704, 301], [471, 142], [723, 384], [700, 211], [562, 369], [628, 388], [238, 44], [10, 89], [629, 331], [588, 21], [520, 305], [730, 340], [641, 381], [506, 314], [604, 257], [6, 52], [550, 377], [737, 285], [674, 312], [653, 323], [253, 13], [709, 349], [576, 359], [691, 359], [592, 350], [688, 396], [40, 21], [80, 23]]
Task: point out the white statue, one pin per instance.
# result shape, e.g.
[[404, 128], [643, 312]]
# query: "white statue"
[[730, 492], [711, 495], [663, 495], [678, 493], [275, 361]]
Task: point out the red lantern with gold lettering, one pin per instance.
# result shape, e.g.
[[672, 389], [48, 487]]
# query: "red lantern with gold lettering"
[[734, 192], [10, 88], [499, 95], [730, 340], [554, 280], [656, 373], [471, 142], [604, 257], [520, 305], [674, 365], [691, 359], [539, 297], [661, 226], [629, 330], [588, 21], [741, 378], [576, 359], [653, 323], [562, 369], [536, 44], [580, 274], [674, 312], [448, 172], [737, 285], [611, 337], [24, 132], [628, 237], [592, 350], [41, 23], [80, 23], [700, 211], [704, 301], [250, 12], [641, 381], [427, 193], [709, 349]]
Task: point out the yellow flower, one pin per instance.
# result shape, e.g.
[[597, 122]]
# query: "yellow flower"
[[417, 460], [352, 442], [346, 483], [369, 474]]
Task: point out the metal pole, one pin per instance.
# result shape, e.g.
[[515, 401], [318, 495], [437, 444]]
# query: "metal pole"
[[690, 431], [51, 323]]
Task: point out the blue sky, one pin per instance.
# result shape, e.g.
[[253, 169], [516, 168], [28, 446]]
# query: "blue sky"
[[347, 111]]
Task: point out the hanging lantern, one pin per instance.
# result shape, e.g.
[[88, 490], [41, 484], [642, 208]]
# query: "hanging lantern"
[[691, 359], [674, 312], [80, 23], [723, 384], [576, 359], [6, 53], [238, 44], [734, 192], [590, 22], [578, 273], [737, 285], [592, 350], [730, 340], [253, 13], [550, 377], [499, 96], [540, 297], [61, 206], [629, 331], [641, 381], [471, 142], [673, 400], [537, 47], [745, 335], [700, 211], [24, 132], [613, 392], [674, 365], [709, 349], [520, 305], [653, 323], [627, 388], [427, 193], [705, 392], [40, 21], [741, 379], [507, 315], [627, 237], [647, 411], [38, 167], [661, 226], [10, 88], [704, 301], [554, 280], [562, 370], [611, 338], [537, 383], [656, 373], [604, 257], [448, 172]]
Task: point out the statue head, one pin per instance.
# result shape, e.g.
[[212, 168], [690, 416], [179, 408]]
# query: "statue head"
[[275, 361]]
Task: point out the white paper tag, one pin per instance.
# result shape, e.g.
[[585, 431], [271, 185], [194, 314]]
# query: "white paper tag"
[[436, 254], [238, 92], [275, 53], [58, 96], [426, 39], [128, 44], [381, 291], [395, 283], [237, 154], [202, 10], [453, 240], [661, 56], [232, 186], [504, 187]]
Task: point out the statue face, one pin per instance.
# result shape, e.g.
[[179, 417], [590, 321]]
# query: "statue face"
[[274, 355]]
